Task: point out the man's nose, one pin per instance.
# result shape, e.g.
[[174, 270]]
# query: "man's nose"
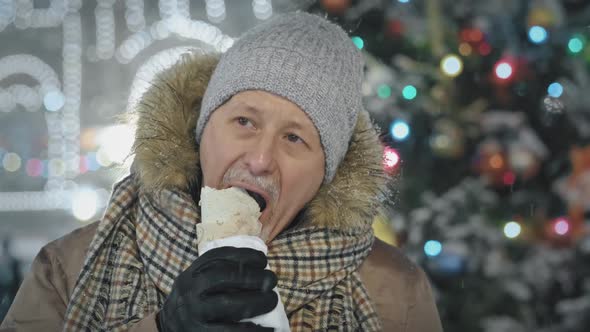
[[260, 158]]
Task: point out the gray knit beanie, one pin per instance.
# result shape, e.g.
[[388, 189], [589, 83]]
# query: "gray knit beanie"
[[305, 59]]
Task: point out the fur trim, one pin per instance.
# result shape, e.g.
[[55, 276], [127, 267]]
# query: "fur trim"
[[165, 148], [166, 153], [353, 196]]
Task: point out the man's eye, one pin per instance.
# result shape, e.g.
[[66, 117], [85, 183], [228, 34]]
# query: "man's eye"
[[242, 121], [294, 138]]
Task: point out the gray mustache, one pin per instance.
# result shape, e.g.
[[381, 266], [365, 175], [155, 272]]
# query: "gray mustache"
[[268, 184]]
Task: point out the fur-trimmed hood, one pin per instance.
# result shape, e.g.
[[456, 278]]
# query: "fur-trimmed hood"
[[167, 155]]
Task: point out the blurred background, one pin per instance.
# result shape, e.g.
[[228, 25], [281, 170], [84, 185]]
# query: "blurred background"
[[484, 110]]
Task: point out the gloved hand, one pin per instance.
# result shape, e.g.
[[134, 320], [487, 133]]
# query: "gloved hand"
[[221, 287]]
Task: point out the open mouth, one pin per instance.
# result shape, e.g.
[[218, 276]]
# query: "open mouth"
[[258, 198]]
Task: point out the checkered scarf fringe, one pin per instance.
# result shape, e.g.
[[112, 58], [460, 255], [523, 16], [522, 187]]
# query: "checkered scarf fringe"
[[144, 241]]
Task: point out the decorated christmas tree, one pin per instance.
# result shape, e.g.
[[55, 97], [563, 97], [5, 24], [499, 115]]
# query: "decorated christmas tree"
[[485, 115]]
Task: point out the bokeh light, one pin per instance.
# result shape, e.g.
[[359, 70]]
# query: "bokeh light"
[[409, 92], [57, 167], [115, 144], [537, 34], [54, 101], [508, 178], [576, 44], [390, 159], [400, 130], [262, 9], [496, 161], [102, 158], [561, 226], [465, 49], [358, 42], [91, 162], [216, 10], [84, 204], [432, 248], [88, 139], [11, 162], [484, 48], [475, 35], [555, 90], [34, 167], [503, 70], [384, 91], [451, 65], [512, 229]]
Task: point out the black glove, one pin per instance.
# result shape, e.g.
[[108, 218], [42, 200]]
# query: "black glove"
[[220, 288]]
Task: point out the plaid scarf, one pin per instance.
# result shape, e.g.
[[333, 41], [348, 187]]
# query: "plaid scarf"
[[145, 240]]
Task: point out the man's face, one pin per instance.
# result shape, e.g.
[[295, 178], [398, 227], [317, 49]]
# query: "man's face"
[[267, 145]]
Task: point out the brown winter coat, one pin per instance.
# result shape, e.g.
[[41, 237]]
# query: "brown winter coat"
[[399, 289]]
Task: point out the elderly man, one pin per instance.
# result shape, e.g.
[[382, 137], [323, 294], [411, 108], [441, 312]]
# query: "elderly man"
[[280, 115]]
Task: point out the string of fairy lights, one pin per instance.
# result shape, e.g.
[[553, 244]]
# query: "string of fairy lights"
[[62, 103]]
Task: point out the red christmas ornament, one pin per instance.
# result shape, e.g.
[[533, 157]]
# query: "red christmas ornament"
[[336, 7], [395, 28], [476, 40], [508, 178], [471, 35], [484, 49], [493, 165]]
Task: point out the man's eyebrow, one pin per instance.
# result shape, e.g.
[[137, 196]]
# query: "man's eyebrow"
[[294, 124], [245, 107]]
